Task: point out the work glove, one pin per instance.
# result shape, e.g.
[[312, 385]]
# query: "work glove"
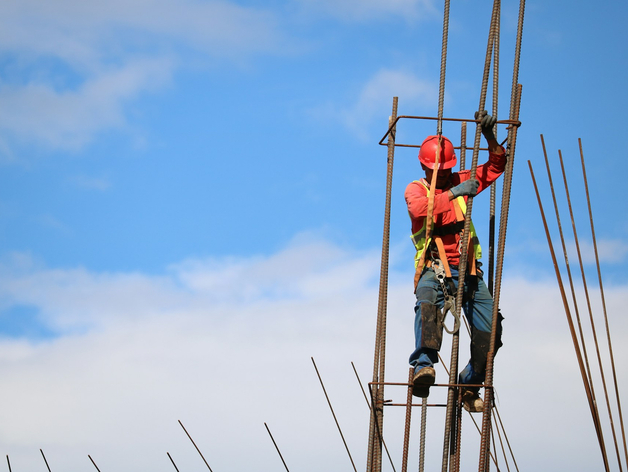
[[487, 123], [468, 187]]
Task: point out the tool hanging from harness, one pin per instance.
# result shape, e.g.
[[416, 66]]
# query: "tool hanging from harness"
[[436, 258]]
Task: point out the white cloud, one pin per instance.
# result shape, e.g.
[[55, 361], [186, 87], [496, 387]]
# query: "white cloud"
[[369, 9], [83, 32], [225, 345], [70, 118], [374, 99], [73, 66], [610, 251]]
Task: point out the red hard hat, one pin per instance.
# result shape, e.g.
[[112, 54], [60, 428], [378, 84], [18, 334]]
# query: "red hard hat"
[[427, 153]]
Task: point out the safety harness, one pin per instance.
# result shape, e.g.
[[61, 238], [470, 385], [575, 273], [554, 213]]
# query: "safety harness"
[[436, 258]]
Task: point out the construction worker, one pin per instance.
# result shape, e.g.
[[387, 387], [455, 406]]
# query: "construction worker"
[[437, 284]]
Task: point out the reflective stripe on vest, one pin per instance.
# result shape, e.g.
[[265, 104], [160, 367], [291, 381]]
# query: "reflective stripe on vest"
[[420, 243]]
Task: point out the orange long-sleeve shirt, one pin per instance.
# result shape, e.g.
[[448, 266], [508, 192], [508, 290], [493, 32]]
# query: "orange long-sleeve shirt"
[[444, 214]]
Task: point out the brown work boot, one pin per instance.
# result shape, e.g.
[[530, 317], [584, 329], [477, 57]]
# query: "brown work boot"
[[471, 401], [422, 380]]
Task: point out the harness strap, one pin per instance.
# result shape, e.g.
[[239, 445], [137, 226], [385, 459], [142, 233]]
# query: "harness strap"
[[442, 255]]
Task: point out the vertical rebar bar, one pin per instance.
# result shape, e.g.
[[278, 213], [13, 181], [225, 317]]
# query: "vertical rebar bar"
[[571, 284], [374, 455], [593, 329], [90, 458], [42, 455], [463, 144], [449, 446], [406, 432], [333, 414], [368, 403], [491, 222], [572, 329], [499, 418], [197, 449], [443, 68], [276, 447], [171, 460], [599, 273], [423, 432]]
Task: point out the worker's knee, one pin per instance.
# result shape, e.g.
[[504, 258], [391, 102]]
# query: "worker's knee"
[[432, 326], [480, 344]]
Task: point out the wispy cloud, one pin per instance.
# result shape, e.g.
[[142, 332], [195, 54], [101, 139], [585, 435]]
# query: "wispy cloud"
[[36, 112], [72, 66], [357, 10], [225, 345], [375, 98]]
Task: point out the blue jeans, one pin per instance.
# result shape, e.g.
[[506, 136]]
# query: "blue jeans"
[[478, 308]]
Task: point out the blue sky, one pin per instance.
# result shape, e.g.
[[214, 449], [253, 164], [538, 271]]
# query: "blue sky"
[[191, 193]]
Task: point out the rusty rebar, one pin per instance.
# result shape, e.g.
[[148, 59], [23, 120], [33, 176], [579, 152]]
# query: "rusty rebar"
[[570, 323], [463, 144], [90, 458], [42, 455], [569, 275], [449, 447], [406, 430], [455, 465], [333, 414], [393, 124], [197, 449], [423, 434], [493, 191], [276, 447], [499, 418], [599, 273], [368, 403], [501, 444], [593, 329], [374, 454], [567, 265], [171, 460], [443, 68], [501, 246]]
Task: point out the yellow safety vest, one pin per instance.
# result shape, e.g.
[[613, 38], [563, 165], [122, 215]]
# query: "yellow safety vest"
[[421, 244]]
